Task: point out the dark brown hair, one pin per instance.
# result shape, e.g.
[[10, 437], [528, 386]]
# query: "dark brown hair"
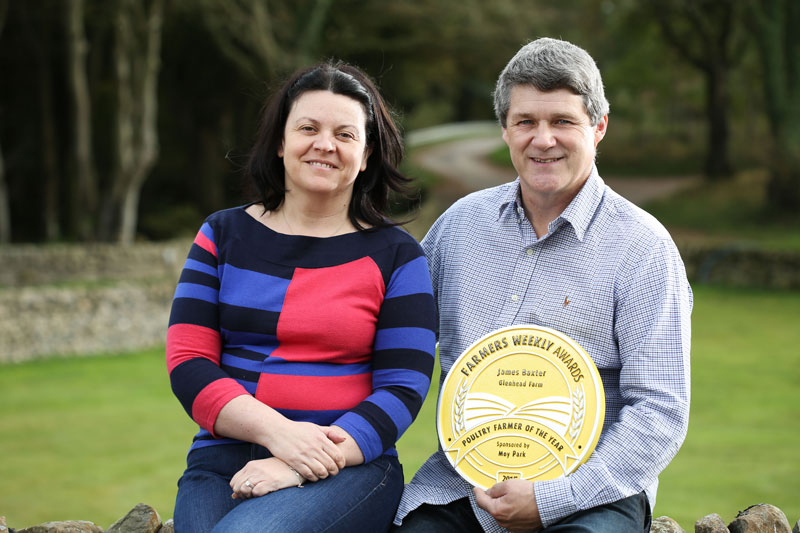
[[370, 201]]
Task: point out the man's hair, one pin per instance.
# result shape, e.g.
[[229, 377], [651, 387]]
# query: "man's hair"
[[548, 65]]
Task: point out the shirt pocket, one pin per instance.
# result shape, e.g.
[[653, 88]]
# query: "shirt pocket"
[[579, 315]]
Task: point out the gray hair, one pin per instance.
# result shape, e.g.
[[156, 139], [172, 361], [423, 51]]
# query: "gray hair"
[[548, 65]]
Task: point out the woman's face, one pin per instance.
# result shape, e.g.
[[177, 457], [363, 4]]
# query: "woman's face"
[[324, 145]]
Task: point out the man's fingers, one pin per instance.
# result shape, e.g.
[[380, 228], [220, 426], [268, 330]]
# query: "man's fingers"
[[483, 500]]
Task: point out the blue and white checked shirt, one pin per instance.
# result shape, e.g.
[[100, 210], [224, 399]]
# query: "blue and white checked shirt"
[[608, 275]]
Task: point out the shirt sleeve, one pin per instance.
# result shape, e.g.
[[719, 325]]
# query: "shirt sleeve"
[[194, 346], [653, 333], [402, 360]]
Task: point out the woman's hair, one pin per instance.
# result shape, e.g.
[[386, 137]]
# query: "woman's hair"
[[370, 202], [548, 65]]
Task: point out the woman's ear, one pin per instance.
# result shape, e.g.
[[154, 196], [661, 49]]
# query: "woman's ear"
[[367, 153]]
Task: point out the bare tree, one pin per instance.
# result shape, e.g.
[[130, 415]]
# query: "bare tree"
[[5, 214], [137, 56], [774, 24], [257, 35], [36, 23], [84, 193], [704, 32]]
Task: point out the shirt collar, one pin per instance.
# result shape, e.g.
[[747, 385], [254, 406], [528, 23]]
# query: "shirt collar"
[[578, 213]]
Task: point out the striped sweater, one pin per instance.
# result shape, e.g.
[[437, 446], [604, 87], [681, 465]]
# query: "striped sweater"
[[332, 330]]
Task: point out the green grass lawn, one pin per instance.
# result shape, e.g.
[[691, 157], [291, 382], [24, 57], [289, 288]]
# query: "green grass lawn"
[[89, 438]]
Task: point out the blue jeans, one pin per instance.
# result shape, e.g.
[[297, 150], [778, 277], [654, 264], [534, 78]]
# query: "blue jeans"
[[359, 498], [629, 515]]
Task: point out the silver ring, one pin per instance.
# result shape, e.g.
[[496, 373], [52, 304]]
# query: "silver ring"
[[248, 484], [300, 479]]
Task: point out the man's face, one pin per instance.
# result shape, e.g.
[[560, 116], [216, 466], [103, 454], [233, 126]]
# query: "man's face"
[[552, 143]]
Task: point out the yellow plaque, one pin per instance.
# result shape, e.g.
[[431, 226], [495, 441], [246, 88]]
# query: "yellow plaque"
[[522, 402]]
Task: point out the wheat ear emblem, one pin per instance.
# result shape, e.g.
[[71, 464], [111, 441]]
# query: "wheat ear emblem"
[[578, 412], [458, 406]]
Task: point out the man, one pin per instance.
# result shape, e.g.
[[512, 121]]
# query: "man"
[[558, 248]]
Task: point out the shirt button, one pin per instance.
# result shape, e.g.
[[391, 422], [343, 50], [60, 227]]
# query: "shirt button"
[[529, 251], [514, 297]]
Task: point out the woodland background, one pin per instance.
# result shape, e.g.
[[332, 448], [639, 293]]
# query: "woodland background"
[[124, 120]]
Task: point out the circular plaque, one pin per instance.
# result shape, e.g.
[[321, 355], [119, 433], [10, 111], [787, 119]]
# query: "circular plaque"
[[522, 402]]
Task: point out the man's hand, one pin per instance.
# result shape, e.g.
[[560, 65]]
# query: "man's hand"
[[512, 503]]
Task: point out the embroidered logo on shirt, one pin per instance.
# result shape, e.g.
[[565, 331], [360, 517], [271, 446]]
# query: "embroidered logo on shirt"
[[567, 301]]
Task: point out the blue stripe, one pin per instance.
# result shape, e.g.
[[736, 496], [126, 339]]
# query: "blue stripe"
[[411, 379], [405, 338], [392, 406], [364, 434], [281, 367], [411, 278], [193, 264], [239, 362], [248, 386], [246, 288], [206, 230], [196, 292]]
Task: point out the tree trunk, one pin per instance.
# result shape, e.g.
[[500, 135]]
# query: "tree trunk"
[[702, 32], [137, 53], [5, 214], [717, 101], [774, 25], [84, 195]]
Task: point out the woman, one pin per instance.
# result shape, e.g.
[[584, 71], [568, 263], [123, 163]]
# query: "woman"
[[301, 334]]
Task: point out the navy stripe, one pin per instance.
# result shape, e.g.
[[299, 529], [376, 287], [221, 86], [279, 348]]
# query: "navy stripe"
[[248, 319], [199, 278], [201, 254], [380, 421], [322, 417], [241, 374], [191, 377], [396, 358], [414, 310], [195, 312], [244, 353], [409, 397]]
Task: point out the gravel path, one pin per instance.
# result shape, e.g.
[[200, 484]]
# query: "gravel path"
[[464, 167]]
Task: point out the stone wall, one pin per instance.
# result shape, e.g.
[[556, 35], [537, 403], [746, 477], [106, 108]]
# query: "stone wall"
[[761, 518], [60, 300], [742, 266], [72, 299]]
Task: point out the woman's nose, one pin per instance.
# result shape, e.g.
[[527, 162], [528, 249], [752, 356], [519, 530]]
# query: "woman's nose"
[[324, 143]]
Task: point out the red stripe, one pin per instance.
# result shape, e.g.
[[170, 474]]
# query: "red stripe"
[[187, 341], [326, 319], [212, 399], [205, 243], [312, 393]]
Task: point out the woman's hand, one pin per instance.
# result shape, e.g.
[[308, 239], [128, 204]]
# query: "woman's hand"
[[262, 476], [308, 448]]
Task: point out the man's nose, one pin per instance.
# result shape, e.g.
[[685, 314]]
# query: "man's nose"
[[543, 136]]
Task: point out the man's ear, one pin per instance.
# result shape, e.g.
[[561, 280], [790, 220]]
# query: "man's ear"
[[600, 130]]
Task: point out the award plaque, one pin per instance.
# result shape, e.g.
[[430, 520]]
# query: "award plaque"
[[522, 402]]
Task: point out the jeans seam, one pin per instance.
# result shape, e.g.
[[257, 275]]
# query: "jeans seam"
[[373, 491]]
